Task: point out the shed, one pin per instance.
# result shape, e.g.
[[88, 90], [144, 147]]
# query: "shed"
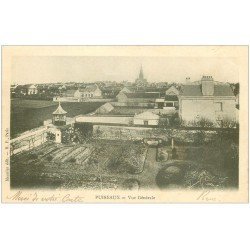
[[146, 118]]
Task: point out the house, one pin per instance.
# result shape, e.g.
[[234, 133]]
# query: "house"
[[105, 108], [172, 91], [90, 91], [32, 90], [62, 87], [13, 89], [146, 118], [138, 97], [26, 89], [110, 92], [169, 102], [69, 93], [207, 99], [127, 89]]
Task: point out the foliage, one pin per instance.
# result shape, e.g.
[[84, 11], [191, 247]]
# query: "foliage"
[[228, 123], [202, 123], [50, 136], [131, 184], [203, 179], [199, 138], [49, 158], [33, 156], [72, 160], [169, 121], [170, 175]]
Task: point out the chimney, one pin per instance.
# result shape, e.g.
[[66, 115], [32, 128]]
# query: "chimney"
[[207, 85], [187, 80]]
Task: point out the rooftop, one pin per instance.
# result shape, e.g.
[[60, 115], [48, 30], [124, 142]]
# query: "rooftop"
[[89, 88], [142, 95], [59, 111], [195, 90]]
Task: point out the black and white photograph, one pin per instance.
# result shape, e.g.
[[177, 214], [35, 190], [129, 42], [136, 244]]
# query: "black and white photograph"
[[124, 123]]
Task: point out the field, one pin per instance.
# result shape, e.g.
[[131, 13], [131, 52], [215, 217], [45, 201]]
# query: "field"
[[29, 114], [93, 165]]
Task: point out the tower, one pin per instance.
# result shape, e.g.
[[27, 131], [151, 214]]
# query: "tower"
[[59, 116], [141, 81], [141, 74]]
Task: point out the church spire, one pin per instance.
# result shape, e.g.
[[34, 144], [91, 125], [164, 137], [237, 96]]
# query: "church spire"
[[141, 73]]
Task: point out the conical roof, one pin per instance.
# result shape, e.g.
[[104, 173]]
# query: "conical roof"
[[59, 110]]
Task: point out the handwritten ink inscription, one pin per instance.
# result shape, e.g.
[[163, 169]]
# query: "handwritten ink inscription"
[[20, 196]]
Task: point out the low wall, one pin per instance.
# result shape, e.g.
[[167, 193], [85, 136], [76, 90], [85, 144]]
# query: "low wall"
[[73, 99], [139, 133], [28, 140], [128, 104]]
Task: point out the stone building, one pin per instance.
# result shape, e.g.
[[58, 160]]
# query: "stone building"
[[207, 99], [90, 91], [146, 119], [141, 81], [138, 97]]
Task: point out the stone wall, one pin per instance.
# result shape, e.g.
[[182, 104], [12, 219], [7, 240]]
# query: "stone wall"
[[181, 136]]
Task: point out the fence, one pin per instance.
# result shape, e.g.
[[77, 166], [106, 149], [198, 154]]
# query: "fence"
[[28, 140]]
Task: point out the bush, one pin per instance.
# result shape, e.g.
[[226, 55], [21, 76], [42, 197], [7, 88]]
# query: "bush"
[[131, 184], [72, 160], [49, 158], [202, 123], [33, 156], [169, 176], [133, 169], [199, 138], [228, 123]]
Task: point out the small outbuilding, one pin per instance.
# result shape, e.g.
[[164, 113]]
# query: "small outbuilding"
[[147, 119]]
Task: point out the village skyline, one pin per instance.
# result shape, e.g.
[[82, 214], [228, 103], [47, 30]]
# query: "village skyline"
[[46, 70]]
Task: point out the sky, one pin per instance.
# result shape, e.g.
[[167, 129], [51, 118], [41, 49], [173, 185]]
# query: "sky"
[[47, 69]]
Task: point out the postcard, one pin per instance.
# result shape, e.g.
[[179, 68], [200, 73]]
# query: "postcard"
[[125, 124]]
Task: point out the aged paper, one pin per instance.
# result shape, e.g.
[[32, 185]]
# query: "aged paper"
[[125, 124]]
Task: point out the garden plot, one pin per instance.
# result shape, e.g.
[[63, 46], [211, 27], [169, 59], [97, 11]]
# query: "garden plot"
[[58, 155], [83, 155], [99, 157], [117, 159], [48, 150], [30, 156], [74, 153]]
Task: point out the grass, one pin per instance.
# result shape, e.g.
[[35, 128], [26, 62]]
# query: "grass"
[[34, 104], [29, 114]]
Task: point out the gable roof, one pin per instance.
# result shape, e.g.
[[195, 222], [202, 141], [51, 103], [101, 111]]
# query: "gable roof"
[[142, 95], [26, 86], [147, 115], [195, 90], [89, 88], [172, 90], [128, 89], [105, 108], [69, 92]]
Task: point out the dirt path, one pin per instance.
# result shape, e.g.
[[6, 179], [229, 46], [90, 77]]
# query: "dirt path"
[[151, 168]]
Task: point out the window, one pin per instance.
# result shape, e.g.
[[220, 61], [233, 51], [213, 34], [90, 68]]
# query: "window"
[[145, 122], [169, 104], [218, 106]]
